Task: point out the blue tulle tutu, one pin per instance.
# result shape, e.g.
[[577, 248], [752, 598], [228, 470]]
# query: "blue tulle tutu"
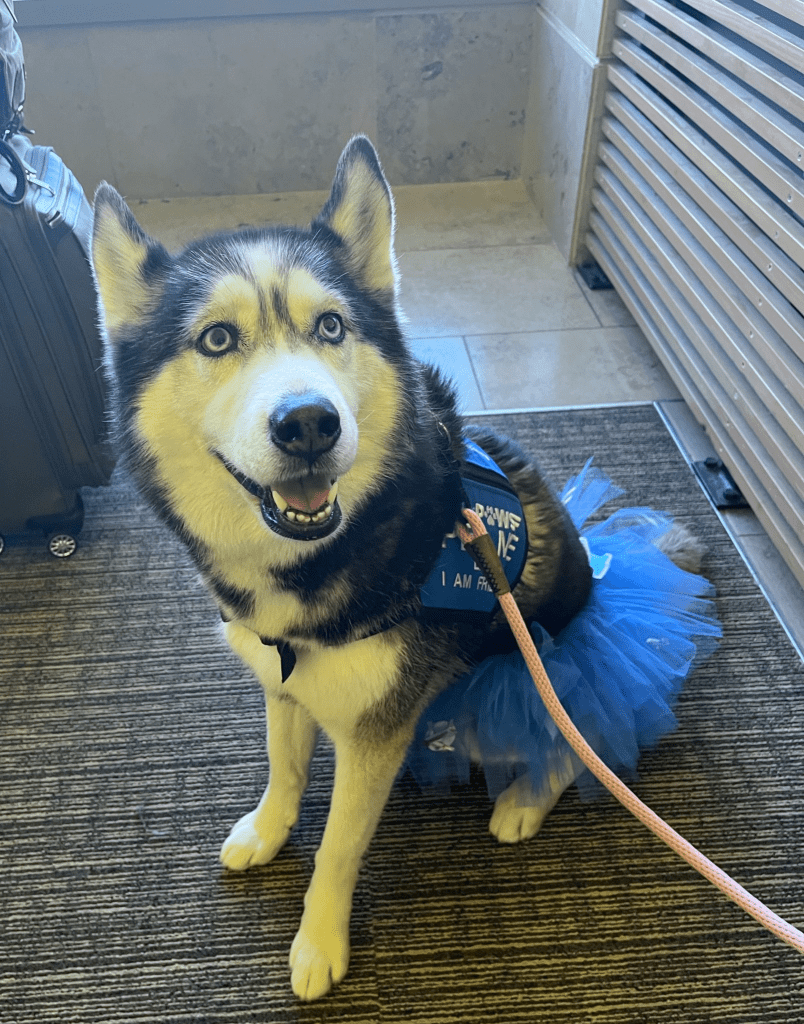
[[617, 668]]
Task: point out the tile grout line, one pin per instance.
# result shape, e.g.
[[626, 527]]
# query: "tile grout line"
[[475, 374], [583, 290], [401, 253], [505, 334]]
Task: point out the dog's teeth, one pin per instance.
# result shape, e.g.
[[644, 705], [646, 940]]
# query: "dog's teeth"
[[333, 494], [302, 517], [279, 501], [290, 515]]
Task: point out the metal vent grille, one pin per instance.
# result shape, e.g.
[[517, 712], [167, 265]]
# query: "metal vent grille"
[[698, 219]]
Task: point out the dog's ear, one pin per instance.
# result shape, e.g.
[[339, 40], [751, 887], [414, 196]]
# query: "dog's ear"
[[360, 211], [128, 265]]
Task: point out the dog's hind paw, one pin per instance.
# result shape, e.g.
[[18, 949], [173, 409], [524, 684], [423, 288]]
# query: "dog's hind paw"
[[512, 824], [249, 844], [317, 962], [519, 813]]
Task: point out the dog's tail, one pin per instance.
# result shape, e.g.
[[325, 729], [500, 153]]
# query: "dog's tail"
[[683, 548]]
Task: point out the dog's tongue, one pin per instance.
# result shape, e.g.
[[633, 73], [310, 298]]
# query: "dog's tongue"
[[307, 494]]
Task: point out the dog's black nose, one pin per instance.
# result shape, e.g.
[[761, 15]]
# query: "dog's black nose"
[[305, 425]]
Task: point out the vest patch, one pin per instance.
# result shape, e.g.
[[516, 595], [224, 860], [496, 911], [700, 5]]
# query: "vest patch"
[[456, 587]]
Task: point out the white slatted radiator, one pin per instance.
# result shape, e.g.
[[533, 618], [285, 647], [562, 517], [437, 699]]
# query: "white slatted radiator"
[[698, 219]]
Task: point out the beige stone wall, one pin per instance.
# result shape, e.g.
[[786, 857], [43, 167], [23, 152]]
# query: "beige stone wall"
[[248, 105], [259, 105]]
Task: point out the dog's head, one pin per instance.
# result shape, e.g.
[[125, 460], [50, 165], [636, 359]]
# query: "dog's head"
[[264, 364]]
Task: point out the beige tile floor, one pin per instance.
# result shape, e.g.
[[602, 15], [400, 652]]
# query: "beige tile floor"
[[491, 301]]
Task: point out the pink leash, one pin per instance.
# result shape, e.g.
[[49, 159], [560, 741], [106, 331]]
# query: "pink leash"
[[485, 555]]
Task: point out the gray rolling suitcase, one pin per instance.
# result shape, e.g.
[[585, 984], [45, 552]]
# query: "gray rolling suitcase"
[[52, 421]]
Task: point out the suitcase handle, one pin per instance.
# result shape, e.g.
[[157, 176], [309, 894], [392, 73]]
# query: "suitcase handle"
[[20, 173]]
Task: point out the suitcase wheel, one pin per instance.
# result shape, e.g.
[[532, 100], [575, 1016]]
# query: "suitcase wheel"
[[62, 545], [61, 529]]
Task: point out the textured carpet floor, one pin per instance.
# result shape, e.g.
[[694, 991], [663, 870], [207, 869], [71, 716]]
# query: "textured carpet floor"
[[131, 740]]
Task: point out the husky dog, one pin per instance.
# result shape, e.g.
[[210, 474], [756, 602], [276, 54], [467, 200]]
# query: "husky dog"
[[270, 412]]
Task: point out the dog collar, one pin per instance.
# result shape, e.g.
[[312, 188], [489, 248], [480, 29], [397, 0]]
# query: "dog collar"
[[287, 656]]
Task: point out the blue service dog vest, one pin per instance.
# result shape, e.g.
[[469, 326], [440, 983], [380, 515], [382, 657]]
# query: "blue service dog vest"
[[456, 588]]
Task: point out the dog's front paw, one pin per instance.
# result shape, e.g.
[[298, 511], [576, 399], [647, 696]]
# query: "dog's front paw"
[[252, 842], [319, 959]]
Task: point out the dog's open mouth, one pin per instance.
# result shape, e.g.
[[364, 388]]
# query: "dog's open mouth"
[[302, 509], [305, 508]]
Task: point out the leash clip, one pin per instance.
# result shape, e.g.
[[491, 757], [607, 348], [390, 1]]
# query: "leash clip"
[[477, 539]]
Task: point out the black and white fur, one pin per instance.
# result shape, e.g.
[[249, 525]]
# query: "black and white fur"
[[266, 368]]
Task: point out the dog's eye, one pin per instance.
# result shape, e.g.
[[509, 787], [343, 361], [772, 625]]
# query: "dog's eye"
[[330, 328], [217, 340]]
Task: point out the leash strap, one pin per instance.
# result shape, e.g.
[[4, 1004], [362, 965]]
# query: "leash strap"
[[786, 932]]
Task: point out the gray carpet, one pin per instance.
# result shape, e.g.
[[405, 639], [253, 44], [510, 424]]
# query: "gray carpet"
[[131, 740]]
